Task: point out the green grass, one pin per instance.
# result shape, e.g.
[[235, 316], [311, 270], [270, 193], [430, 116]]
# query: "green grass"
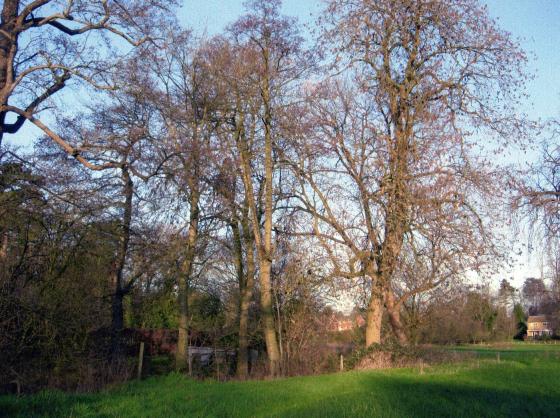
[[516, 346], [526, 382]]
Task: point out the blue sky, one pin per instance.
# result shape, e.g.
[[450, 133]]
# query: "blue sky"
[[214, 15], [534, 22]]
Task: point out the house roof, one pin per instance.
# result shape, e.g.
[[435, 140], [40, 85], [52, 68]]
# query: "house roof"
[[537, 318]]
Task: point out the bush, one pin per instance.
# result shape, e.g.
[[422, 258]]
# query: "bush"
[[384, 355]]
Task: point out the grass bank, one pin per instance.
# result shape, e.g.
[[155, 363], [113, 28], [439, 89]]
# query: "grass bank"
[[525, 382]]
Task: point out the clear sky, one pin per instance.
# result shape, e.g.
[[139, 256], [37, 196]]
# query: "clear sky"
[[536, 23], [214, 15]]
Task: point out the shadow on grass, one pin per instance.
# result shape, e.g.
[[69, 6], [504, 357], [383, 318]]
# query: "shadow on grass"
[[405, 398], [485, 392], [45, 404]]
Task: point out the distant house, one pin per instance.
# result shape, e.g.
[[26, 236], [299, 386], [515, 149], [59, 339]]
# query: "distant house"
[[339, 322], [539, 326]]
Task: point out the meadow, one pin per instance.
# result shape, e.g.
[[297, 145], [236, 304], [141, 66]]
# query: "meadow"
[[500, 380]]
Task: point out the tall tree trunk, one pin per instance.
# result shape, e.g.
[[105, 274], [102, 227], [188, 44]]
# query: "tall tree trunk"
[[374, 314], [273, 351], [265, 269], [245, 295], [120, 289], [117, 314], [394, 313], [8, 49], [263, 242], [7, 23], [242, 368], [272, 347], [182, 351], [4, 247], [397, 216], [373, 321]]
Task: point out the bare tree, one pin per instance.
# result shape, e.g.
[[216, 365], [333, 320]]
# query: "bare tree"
[[120, 134], [275, 47], [186, 105], [45, 43], [236, 214], [535, 294], [538, 189], [537, 201], [429, 73]]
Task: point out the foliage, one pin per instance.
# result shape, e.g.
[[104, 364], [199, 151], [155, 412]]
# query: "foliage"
[[521, 320], [156, 309], [392, 352]]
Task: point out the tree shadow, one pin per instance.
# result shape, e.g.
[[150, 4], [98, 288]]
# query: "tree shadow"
[[405, 397], [486, 392]]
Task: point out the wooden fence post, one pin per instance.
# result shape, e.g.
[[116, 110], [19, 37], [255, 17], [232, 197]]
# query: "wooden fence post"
[[341, 363], [140, 360], [190, 362]]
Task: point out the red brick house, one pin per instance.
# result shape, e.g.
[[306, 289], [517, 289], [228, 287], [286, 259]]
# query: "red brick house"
[[339, 322]]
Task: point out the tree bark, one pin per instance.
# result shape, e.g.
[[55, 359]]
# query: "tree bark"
[[272, 347], [119, 288], [263, 242], [245, 294], [7, 23], [181, 353], [394, 313], [117, 318], [397, 216], [267, 313], [242, 368], [4, 247], [265, 268], [8, 49], [374, 316]]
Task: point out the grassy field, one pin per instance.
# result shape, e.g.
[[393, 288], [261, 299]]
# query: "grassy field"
[[524, 382]]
